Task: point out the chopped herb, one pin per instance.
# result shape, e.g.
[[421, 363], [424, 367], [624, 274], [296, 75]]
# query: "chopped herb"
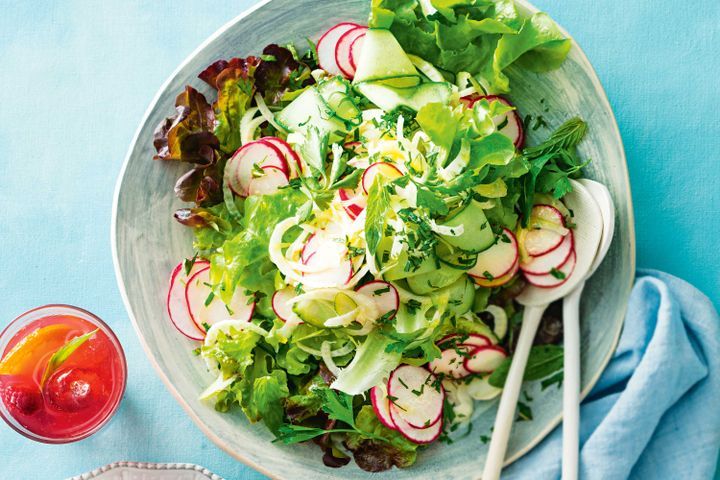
[[502, 124], [557, 274], [412, 306], [488, 275], [380, 291], [188, 263], [209, 298], [524, 412]]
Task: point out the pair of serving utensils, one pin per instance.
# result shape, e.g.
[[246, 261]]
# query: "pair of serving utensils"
[[594, 215]]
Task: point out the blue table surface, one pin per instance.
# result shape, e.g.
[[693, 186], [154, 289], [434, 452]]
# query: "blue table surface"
[[76, 77]]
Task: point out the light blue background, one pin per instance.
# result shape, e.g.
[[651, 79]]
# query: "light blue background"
[[76, 77]]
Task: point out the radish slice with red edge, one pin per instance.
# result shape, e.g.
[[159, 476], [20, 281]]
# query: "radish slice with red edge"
[[355, 50], [177, 307], [385, 296], [451, 362], [555, 278], [291, 156], [539, 241], [416, 435], [470, 339], [496, 282], [239, 169], [327, 44], [281, 304], [270, 182], [510, 122], [551, 260], [485, 359], [207, 309], [497, 260], [352, 203], [381, 406], [416, 396], [343, 50], [378, 168], [476, 340]]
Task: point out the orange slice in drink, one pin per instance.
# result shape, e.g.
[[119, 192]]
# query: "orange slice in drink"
[[22, 359]]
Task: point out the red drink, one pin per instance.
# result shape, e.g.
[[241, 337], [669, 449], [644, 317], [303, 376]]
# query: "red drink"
[[79, 395]]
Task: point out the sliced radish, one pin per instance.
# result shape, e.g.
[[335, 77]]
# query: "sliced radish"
[[416, 435], [207, 309], [496, 282], [177, 306], [549, 280], [416, 396], [281, 304], [477, 340], [511, 124], [548, 213], [343, 51], [452, 362], [498, 260], [356, 49], [353, 203], [485, 359], [381, 405], [470, 339], [378, 168], [239, 169], [541, 241], [268, 183], [291, 156], [384, 294], [553, 259], [328, 43]]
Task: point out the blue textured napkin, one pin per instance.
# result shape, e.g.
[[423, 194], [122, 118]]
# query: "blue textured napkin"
[[655, 412]]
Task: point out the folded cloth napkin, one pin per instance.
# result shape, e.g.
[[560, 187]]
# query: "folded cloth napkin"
[[655, 413]]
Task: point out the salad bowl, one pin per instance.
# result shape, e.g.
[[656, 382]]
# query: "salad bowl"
[[146, 243]]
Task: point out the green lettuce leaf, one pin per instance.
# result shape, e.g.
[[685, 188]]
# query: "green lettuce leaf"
[[480, 37], [244, 259], [233, 352], [268, 395]]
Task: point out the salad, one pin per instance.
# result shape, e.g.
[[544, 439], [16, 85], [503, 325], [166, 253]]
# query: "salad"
[[365, 211]]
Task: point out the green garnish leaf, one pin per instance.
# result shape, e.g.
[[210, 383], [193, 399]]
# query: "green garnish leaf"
[[378, 205], [63, 353], [338, 405], [544, 361]]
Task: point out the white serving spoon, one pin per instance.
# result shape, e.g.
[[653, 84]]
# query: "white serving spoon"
[[587, 238], [571, 334]]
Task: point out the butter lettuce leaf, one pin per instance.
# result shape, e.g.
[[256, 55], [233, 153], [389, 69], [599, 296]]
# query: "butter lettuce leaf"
[[477, 36], [243, 259]]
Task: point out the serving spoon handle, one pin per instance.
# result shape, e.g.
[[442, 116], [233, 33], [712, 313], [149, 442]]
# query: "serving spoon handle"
[[571, 383], [511, 392]]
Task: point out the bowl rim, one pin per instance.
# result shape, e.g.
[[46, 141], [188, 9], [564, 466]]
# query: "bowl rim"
[[602, 95]]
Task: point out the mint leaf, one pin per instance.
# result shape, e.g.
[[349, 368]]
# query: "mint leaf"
[[63, 353]]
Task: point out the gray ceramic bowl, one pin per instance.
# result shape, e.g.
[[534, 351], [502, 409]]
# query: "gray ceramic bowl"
[[147, 243]]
